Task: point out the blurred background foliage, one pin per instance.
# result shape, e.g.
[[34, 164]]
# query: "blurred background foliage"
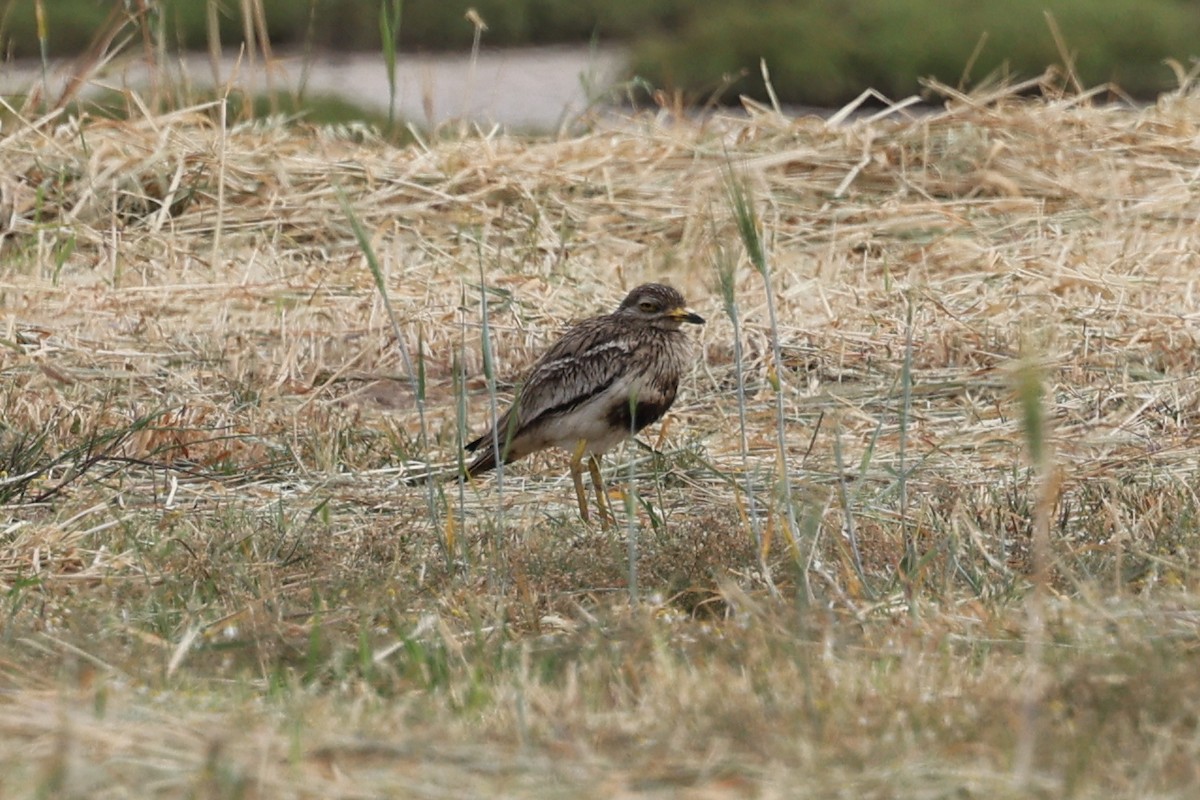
[[820, 52]]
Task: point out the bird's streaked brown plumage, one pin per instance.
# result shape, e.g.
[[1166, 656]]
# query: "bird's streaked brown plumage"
[[605, 379]]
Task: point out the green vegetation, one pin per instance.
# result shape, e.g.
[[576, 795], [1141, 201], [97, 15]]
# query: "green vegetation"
[[355, 24], [822, 52], [825, 52]]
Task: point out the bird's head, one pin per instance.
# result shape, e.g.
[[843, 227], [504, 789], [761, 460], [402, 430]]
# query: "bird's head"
[[659, 305]]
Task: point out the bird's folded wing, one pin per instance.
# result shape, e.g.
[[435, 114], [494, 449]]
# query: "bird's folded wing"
[[570, 374]]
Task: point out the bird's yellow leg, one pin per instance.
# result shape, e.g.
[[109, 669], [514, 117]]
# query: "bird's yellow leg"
[[577, 477], [606, 515]]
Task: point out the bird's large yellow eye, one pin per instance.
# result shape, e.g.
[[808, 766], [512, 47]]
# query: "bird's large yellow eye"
[[648, 306]]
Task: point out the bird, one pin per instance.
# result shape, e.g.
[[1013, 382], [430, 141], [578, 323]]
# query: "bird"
[[604, 380]]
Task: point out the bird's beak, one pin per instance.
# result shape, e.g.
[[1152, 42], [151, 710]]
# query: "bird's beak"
[[686, 315]]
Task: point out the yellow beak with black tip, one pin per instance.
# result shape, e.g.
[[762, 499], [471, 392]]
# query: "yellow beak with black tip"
[[686, 315]]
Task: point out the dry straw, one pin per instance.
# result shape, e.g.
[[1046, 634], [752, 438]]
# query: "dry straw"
[[993, 218], [246, 409]]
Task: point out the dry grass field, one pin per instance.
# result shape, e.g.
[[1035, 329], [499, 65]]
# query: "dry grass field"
[[923, 522]]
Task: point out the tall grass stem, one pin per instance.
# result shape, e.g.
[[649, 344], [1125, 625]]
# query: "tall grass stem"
[[411, 368], [750, 231], [726, 265]]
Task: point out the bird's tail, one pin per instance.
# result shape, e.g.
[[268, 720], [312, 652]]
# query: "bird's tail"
[[485, 460], [485, 450], [430, 474]]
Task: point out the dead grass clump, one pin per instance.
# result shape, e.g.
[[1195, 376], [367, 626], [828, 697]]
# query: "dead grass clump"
[[683, 565], [208, 419]]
